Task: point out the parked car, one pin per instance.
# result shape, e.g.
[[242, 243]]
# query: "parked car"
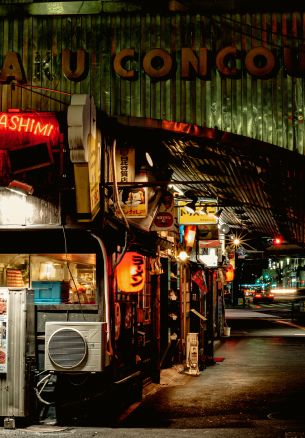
[[263, 297]]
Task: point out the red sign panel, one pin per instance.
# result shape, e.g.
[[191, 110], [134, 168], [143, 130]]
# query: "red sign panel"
[[131, 273], [19, 128]]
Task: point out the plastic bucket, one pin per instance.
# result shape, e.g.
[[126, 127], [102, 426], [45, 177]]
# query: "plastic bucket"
[[226, 331]]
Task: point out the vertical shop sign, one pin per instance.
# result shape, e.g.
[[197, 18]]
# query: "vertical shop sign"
[[94, 161], [3, 329], [125, 164], [84, 148]]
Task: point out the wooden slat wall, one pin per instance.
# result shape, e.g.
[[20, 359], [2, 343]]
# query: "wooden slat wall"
[[270, 110]]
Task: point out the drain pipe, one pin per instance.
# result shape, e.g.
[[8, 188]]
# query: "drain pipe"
[[106, 290]]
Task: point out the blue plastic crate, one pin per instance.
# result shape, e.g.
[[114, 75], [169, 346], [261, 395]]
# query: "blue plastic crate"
[[47, 292]]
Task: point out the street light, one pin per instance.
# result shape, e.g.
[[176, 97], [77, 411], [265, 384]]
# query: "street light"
[[236, 242]]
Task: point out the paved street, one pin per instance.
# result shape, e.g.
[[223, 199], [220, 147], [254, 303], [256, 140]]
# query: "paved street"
[[257, 383], [255, 389]]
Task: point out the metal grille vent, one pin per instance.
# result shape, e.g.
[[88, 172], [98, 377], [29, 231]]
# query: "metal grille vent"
[[67, 348]]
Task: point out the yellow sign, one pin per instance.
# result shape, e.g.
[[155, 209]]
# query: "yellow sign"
[[94, 174], [134, 202], [85, 154], [198, 217]]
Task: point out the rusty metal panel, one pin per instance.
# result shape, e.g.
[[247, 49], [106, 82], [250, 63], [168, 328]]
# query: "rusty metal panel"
[[271, 110], [14, 385]]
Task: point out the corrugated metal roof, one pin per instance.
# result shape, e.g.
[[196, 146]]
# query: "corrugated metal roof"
[[259, 186]]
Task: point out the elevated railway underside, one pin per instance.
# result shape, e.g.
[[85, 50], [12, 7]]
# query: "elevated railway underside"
[[259, 187]]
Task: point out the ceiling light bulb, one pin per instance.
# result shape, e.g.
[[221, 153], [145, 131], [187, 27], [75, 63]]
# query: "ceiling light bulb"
[[183, 256], [224, 228], [149, 159]]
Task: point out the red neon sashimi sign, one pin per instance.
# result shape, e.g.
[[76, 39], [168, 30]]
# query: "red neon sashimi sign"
[[18, 128]]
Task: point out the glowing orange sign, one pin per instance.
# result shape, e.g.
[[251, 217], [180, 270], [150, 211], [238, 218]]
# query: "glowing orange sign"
[[23, 128], [230, 273], [22, 123], [189, 235], [131, 273]]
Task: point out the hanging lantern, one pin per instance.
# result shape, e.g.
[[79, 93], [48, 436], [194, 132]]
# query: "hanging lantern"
[[130, 273], [189, 235], [229, 273]]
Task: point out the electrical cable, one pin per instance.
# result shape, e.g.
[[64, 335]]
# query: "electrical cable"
[[257, 28], [85, 379], [44, 381], [106, 290], [41, 94], [123, 251], [71, 275], [25, 86]]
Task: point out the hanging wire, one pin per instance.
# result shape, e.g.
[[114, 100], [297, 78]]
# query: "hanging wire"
[[44, 381], [232, 23], [52, 90], [253, 27], [71, 275], [106, 292], [32, 88]]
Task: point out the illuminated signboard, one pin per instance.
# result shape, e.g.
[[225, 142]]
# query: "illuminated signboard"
[[18, 128], [3, 329], [131, 273], [25, 124], [27, 139], [197, 217]]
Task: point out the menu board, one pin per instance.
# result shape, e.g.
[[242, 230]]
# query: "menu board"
[[3, 328]]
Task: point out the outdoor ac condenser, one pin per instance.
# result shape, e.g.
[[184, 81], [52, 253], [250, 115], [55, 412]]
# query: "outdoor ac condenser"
[[75, 346]]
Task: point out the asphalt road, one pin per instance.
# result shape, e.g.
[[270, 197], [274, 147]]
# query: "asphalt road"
[[256, 388], [257, 384]]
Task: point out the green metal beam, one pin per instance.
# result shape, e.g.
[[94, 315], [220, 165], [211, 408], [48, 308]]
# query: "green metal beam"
[[91, 7]]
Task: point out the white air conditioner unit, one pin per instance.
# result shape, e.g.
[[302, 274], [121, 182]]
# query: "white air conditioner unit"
[[75, 346]]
